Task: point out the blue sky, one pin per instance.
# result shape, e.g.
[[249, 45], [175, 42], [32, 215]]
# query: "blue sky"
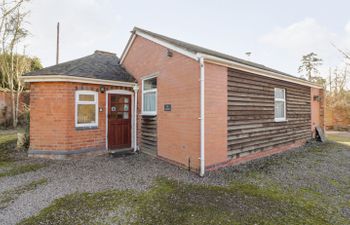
[[277, 33]]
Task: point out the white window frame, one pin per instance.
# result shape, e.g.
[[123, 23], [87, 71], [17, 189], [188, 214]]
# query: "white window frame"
[[149, 113], [77, 102], [280, 119]]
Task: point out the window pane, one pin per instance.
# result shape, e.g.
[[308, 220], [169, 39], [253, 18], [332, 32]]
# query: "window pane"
[[279, 109], [120, 115], [86, 114], [149, 102], [279, 93], [150, 84], [86, 97], [126, 107], [126, 115]]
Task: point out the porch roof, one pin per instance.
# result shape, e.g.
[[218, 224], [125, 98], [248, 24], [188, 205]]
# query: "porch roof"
[[100, 65]]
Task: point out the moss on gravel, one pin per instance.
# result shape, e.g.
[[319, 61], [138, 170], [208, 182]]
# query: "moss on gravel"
[[172, 202], [10, 195], [15, 169], [306, 186]]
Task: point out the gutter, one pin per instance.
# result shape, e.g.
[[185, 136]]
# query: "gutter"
[[202, 117], [255, 70], [66, 78]]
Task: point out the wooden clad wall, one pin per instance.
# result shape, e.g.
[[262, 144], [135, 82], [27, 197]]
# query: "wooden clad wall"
[[251, 125], [149, 134]]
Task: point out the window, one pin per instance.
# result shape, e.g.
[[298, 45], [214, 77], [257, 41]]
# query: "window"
[[86, 109], [280, 104], [149, 96]]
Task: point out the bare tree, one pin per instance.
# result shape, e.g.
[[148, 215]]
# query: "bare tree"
[[12, 64]]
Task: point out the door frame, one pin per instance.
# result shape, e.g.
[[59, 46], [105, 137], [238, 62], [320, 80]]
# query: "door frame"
[[122, 92]]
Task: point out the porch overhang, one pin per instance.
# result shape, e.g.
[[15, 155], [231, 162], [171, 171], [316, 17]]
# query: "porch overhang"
[[66, 78]]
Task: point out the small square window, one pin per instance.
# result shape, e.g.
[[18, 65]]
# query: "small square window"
[[86, 109], [86, 114]]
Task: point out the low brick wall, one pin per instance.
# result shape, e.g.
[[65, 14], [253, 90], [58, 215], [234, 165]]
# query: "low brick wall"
[[6, 106]]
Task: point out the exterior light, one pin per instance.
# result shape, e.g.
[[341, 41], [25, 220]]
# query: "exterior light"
[[317, 98], [170, 53]]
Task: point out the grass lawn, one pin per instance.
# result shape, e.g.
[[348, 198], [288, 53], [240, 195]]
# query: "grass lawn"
[[7, 144], [261, 195], [9, 154], [343, 138]]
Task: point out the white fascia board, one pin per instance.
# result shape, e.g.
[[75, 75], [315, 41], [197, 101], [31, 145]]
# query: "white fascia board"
[[64, 78], [251, 69], [126, 50], [165, 44], [219, 61]]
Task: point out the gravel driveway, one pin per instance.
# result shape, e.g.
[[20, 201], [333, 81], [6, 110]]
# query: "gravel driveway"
[[87, 175], [323, 168]]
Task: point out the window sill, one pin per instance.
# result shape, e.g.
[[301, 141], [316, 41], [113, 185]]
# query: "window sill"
[[148, 114], [281, 120], [86, 128]]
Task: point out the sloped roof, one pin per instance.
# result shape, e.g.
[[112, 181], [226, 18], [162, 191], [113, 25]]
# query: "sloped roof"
[[100, 65], [198, 49]]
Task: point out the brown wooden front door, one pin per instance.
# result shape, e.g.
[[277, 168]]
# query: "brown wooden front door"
[[119, 121]]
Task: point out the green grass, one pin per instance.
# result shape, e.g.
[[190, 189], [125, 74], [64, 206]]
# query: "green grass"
[[171, 202], [342, 139], [7, 159], [8, 196], [7, 144], [21, 168]]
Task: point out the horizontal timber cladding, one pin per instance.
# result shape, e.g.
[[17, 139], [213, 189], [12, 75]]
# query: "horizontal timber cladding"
[[251, 125], [149, 134]]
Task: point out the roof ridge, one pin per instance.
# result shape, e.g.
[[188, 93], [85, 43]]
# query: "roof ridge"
[[198, 49], [105, 52]]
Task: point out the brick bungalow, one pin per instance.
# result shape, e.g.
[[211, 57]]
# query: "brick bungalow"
[[189, 105]]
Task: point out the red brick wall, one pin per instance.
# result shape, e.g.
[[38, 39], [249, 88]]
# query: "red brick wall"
[[52, 118], [215, 114], [6, 106], [315, 110], [178, 85]]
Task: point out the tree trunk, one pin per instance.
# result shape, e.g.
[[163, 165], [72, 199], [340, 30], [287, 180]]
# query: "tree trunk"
[[18, 95], [12, 87], [13, 101]]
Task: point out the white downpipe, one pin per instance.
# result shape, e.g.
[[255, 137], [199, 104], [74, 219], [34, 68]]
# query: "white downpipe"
[[202, 139], [136, 88]]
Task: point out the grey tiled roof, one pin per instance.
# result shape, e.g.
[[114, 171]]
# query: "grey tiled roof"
[[197, 49], [100, 65]]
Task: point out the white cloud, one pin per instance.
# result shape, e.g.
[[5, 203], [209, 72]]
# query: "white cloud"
[[301, 37], [86, 25], [347, 27], [308, 36]]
